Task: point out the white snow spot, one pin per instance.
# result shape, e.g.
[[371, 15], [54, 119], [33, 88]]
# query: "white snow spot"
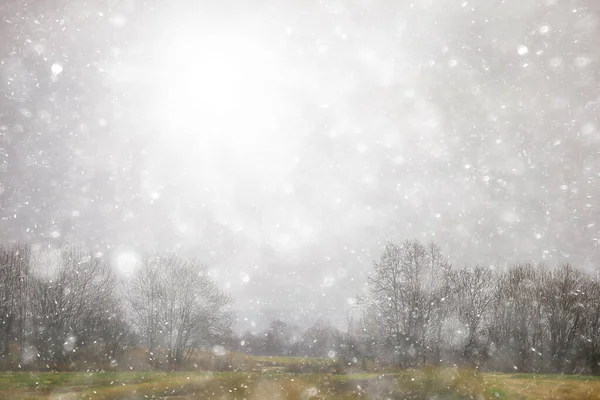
[[245, 277], [219, 351], [331, 354], [522, 50], [29, 355], [56, 69], [69, 344], [544, 29], [125, 261]]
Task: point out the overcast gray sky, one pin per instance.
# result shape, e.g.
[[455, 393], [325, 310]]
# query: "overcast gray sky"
[[285, 143]]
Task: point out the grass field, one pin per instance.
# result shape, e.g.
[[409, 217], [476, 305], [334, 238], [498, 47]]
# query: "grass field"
[[429, 383], [542, 386]]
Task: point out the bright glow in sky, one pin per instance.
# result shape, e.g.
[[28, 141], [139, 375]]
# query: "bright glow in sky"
[[264, 139], [216, 84]]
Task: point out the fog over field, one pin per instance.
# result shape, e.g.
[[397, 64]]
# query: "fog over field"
[[284, 144]]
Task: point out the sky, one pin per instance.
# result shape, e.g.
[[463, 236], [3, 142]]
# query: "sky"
[[284, 144]]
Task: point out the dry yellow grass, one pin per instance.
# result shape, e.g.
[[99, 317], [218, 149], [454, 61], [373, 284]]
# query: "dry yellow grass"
[[542, 386], [425, 383], [240, 385]]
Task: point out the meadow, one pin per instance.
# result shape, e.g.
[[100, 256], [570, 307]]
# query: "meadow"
[[270, 379]]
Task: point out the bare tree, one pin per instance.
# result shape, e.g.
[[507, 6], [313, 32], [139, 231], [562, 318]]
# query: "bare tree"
[[436, 304], [322, 339], [143, 295], [68, 292], [14, 265], [591, 334], [177, 304], [517, 327], [563, 298], [115, 333], [528, 317], [372, 334], [406, 292], [280, 338], [473, 293]]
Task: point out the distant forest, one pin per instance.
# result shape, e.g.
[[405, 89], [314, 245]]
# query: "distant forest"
[[65, 309]]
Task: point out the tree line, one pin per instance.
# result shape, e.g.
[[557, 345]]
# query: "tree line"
[[322, 339], [419, 310], [65, 308]]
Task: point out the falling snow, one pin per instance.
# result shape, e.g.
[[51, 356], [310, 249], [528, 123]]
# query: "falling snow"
[[196, 182]]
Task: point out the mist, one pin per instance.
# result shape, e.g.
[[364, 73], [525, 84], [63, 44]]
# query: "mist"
[[284, 145]]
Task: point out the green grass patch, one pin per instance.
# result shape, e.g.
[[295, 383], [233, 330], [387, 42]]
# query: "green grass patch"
[[416, 384], [496, 393], [555, 377], [286, 361], [542, 386]]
